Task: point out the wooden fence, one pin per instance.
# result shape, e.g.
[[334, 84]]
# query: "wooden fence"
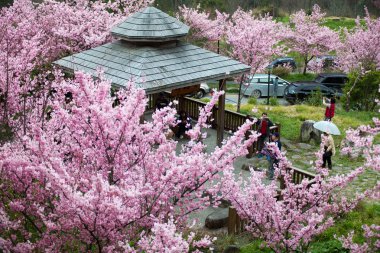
[[237, 225], [232, 120]]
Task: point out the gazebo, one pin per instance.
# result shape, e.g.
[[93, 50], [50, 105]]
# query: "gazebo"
[[148, 49]]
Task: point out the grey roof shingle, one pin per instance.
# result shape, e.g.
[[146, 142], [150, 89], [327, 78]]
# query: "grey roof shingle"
[[150, 24], [158, 68]]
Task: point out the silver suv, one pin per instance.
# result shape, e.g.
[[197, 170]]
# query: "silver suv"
[[257, 86]]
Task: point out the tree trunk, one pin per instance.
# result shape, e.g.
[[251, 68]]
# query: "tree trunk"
[[305, 65]]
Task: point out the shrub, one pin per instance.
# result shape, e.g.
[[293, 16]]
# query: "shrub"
[[315, 99], [282, 71], [273, 101], [252, 101], [365, 91]]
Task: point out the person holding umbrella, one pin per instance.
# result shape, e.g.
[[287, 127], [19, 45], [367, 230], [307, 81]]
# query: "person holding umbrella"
[[329, 150], [328, 128]]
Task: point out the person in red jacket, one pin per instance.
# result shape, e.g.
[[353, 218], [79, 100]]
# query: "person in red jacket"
[[330, 108], [264, 125]]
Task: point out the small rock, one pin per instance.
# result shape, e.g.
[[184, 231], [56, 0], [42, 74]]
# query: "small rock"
[[308, 132], [288, 144], [304, 145], [217, 219], [232, 249], [245, 167], [296, 157]]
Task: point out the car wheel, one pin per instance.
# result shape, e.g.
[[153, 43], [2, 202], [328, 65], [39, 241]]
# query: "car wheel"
[[256, 94], [200, 94]]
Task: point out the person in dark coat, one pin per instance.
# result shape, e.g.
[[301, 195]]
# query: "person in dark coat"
[[264, 125], [161, 101], [184, 124]]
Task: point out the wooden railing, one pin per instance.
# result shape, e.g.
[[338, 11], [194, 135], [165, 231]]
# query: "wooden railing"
[[232, 120], [237, 225]]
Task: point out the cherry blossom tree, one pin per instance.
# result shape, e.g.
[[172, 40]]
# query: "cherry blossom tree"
[[251, 40], [204, 27], [372, 244], [254, 40], [309, 37], [362, 140], [31, 37], [288, 219], [360, 48], [94, 177]]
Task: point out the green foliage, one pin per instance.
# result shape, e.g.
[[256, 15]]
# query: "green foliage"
[[315, 99], [233, 90], [330, 246], [252, 101], [365, 91], [6, 133], [224, 241], [206, 100], [255, 246], [294, 77], [281, 71], [366, 213], [273, 101], [337, 23]]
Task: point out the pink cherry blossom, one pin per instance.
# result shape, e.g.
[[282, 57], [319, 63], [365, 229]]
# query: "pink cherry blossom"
[[309, 37]]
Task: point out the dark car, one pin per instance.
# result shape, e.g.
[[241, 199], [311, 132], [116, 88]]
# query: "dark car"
[[300, 92], [334, 81], [282, 62], [328, 61]]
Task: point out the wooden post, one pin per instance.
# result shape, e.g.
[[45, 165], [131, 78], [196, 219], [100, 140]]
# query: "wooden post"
[[221, 108], [181, 104], [231, 221]]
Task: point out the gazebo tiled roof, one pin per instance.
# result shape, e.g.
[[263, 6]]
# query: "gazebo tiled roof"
[[151, 24], [153, 56]]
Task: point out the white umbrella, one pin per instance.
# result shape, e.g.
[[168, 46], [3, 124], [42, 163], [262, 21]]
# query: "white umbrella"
[[327, 126]]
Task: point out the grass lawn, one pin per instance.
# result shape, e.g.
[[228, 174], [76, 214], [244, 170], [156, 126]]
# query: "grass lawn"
[[291, 117], [366, 213], [335, 23]]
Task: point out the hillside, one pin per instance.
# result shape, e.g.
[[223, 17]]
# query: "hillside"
[[346, 8]]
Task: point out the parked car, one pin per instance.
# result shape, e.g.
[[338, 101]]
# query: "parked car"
[[204, 89], [327, 61], [335, 81], [300, 92], [282, 62], [257, 86]]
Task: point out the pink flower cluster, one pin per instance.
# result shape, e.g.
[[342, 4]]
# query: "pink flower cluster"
[[95, 177]]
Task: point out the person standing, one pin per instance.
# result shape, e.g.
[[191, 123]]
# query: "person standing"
[[161, 101], [184, 124], [275, 87], [329, 150], [263, 129], [330, 108], [273, 161]]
